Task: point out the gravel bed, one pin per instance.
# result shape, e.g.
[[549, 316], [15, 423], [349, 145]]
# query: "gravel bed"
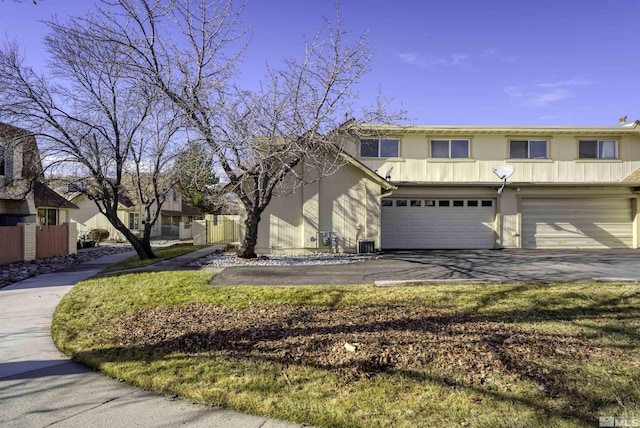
[[15, 272], [230, 260]]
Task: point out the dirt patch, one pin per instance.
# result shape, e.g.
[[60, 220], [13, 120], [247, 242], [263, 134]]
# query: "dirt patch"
[[358, 342]]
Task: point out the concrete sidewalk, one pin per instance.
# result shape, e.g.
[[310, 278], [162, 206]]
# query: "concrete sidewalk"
[[40, 386]]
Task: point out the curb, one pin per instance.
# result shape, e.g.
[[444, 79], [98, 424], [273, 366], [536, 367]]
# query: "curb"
[[400, 283]]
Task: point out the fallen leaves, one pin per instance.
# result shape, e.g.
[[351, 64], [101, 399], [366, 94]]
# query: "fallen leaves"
[[357, 342]]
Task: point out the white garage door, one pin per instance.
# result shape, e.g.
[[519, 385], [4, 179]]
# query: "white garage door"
[[577, 223], [438, 223]]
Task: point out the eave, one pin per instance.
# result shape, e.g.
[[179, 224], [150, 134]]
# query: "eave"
[[384, 184], [511, 184], [396, 130]]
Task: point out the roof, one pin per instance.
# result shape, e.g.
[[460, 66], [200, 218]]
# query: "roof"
[[186, 210], [368, 171], [31, 164], [634, 177], [45, 197], [632, 128]]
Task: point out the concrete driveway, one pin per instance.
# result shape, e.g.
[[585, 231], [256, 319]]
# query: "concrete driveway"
[[451, 266]]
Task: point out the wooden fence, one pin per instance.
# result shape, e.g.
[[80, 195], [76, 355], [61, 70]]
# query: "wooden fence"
[[52, 241], [29, 242], [11, 245], [223, 231]]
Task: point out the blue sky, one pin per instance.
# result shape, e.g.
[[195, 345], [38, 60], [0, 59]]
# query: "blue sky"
[[446, 62]]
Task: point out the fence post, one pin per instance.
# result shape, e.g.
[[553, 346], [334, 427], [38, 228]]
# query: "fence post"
[[199, 228], [28, 240], [72, 236]]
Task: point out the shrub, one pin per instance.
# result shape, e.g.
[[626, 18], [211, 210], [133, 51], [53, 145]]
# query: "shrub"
[[98, 235]]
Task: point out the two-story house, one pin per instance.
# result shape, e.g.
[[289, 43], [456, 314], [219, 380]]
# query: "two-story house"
[[19, 167], [23, 196], [174, 212], [571, 187], [434, 187]]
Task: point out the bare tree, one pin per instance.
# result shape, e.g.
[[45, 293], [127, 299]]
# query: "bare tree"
[[267, 141], [94, 121]]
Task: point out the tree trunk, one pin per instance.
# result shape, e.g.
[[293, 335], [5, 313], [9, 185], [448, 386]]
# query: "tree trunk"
[[142, 246], [248, 248]]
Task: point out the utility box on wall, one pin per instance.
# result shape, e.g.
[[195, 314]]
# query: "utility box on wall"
[[326, 241]]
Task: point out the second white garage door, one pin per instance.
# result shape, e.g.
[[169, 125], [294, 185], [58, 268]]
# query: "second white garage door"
[[438, 223], [577, 223]]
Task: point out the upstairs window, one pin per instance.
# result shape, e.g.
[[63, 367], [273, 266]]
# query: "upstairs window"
[[528, 149], [379, 148], [598, 149], [450, 149]]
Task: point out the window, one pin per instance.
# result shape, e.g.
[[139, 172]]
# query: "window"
[[598, 149], [2, 167], [134, 221], [443, 203], [458, 203], [387, 202], [450, 149], [415, 203], [487, 203], [429, 203], [472, 203], [528, 149], [379, 148], [401, 203], [47, 216]]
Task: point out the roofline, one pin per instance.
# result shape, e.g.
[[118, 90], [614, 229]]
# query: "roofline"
[[632, 128], [398, 184], [386, 185]]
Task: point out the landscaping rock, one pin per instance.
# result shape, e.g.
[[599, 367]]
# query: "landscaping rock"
[[15, 272]]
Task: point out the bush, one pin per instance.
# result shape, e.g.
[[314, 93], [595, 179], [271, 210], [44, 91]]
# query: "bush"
[[98, 235]]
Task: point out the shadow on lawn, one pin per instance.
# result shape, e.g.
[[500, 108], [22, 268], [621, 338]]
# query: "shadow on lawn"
[[452, 350]]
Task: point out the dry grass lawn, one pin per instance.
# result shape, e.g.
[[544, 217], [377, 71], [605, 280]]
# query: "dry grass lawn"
[[454, 355]]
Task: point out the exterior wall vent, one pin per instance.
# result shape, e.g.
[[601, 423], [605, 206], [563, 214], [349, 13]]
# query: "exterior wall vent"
[[366, 246]]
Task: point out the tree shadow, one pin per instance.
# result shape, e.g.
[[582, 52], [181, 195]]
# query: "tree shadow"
[[403, 341]]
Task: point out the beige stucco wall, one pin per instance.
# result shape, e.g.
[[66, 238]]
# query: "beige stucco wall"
[[87, 218], [345, 203], [490, 151]]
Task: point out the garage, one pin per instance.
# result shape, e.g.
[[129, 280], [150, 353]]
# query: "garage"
[[577, 223], [438, 223]]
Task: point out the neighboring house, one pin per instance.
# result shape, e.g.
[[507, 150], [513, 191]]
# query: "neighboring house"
[[19, 168], [88, 217], [52, 209], [26, 203], [23, 196], [132, 214], [572, 187]]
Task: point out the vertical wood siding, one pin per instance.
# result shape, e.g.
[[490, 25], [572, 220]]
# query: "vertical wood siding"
[[12, 247], [52, 241]]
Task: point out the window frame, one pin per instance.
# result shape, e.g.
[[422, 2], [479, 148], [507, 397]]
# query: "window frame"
[[134, 216], [528, 142], [44, 218], [449, 142], [598, 142], [379, 147]]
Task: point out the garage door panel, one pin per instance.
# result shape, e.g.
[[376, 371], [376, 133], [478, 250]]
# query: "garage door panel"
[[437, 227], [577, 223]]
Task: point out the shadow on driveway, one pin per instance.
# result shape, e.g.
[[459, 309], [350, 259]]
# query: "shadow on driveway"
[[449, 266]]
